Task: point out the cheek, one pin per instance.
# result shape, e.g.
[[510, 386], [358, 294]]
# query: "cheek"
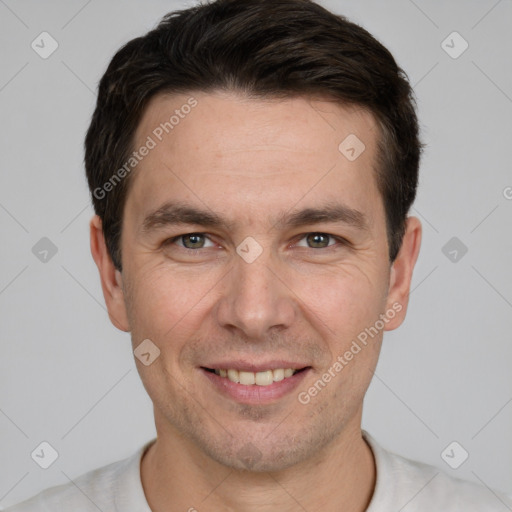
[[166, 302], [343, 300]]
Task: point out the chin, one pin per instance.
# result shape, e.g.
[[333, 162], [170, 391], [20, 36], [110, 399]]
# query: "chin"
[[258, 460], [267, 452]]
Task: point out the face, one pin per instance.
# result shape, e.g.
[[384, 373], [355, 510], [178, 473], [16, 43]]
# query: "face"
[[252, 243]]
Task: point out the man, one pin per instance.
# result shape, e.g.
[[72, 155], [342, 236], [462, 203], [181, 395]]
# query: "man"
[[252, 165]]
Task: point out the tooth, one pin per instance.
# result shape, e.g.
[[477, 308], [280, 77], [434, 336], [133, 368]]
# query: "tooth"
[[246, 378], [278, 375], [233, 376], [264, 378]]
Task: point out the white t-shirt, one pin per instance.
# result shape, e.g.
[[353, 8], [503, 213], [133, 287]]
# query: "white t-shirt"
[[401, 484]]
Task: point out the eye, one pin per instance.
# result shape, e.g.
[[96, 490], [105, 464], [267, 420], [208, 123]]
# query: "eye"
[[190, 241], [194, 241], [318, 240]]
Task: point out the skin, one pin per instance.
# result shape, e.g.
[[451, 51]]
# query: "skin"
[[250, 160]]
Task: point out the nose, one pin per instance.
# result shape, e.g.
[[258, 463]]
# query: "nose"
[[256, 299]]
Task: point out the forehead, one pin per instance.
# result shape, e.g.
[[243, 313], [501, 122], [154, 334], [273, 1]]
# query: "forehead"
[[225, 149], [236, 122]]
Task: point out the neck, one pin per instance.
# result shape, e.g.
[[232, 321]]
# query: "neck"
[[176, 476]]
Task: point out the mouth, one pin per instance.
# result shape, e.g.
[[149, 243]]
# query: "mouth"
[[261, 378], [260, 387]]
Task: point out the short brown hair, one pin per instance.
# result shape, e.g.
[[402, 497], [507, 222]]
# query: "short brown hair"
[[264, 48]]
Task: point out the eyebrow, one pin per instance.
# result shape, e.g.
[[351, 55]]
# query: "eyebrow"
[[175, 213]]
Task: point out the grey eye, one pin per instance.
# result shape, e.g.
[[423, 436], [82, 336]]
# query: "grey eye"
[[317, 240], [192, 240]]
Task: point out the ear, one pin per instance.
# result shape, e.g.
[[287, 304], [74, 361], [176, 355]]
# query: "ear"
[[401, 273], [111, 278]]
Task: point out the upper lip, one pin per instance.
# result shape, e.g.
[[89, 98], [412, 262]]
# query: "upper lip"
[[246, 366]]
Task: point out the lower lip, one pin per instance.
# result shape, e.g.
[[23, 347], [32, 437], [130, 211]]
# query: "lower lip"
[[254, 394]]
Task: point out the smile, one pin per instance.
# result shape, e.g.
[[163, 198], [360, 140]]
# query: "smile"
[[263, 378], [259, 387]]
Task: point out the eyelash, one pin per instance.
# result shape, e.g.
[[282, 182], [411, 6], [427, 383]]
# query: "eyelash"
[[340, 240]]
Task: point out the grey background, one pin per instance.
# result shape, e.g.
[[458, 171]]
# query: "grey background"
[[67, 376]]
